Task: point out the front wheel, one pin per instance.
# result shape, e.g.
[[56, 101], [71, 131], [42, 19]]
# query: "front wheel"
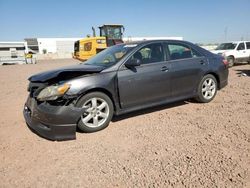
[[207, 89], [98, 112]]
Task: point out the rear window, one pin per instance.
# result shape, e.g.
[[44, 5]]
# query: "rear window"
[[248, 45], [181, 51]]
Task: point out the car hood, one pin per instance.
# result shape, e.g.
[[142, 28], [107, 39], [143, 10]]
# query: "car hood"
[[65, 73]]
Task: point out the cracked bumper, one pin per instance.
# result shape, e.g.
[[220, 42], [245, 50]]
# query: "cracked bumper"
[[52, 122]]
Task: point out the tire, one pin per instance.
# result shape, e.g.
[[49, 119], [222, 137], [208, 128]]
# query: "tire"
[[207, 89], [230, 60], [98, 114]]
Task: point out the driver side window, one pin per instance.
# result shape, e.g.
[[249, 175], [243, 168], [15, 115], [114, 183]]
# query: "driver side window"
[[149, 54]]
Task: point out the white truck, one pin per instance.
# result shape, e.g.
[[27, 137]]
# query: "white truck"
[[234, 52]]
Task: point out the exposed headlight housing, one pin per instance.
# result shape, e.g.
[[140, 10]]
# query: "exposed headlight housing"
[[53, 92]]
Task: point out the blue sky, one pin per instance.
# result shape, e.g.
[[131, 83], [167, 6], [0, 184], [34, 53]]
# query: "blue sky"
[[195, 20]]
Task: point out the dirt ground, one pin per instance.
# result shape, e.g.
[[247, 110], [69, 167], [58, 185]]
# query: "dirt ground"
[[182, 144]]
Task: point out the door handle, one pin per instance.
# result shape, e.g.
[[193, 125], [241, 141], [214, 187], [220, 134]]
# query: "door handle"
[[164, 68]]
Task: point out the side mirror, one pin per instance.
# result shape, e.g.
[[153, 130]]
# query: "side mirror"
[[133, 63]]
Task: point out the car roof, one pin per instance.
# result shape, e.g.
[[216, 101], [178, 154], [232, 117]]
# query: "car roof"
[[150, 41]]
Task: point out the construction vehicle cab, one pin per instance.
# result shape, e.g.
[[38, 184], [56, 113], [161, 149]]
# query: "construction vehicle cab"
[[113, 34], [109, 35]]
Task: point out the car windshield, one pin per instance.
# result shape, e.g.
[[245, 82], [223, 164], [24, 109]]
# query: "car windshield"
[[226, 46], [111, 55]]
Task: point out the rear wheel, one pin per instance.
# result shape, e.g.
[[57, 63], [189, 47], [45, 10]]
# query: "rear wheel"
[[230, 60], [98, 112], [207, 89]]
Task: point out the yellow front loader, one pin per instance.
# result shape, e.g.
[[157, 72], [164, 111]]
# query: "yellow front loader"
[[109, 35]]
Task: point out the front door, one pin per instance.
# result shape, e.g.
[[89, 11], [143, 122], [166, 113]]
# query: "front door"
[[146, 83]]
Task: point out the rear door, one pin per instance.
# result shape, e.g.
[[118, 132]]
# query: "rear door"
[[146, 83], [187, 68]]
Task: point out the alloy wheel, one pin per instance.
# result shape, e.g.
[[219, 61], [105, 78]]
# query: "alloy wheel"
[[96, 113], [208, 88]]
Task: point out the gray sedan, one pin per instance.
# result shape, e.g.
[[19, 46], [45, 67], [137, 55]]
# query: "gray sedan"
[[121, 79]]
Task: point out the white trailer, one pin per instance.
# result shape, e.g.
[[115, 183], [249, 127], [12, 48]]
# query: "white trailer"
[[13, 52]]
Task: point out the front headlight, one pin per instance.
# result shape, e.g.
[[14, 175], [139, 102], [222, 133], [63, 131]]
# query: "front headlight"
[[53, 92]]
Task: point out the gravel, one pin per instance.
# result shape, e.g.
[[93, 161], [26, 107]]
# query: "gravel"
[[184, 144]]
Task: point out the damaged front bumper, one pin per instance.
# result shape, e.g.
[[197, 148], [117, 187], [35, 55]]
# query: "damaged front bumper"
[[52, 122]]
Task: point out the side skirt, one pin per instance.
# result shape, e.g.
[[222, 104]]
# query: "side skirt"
[[141, 107]]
